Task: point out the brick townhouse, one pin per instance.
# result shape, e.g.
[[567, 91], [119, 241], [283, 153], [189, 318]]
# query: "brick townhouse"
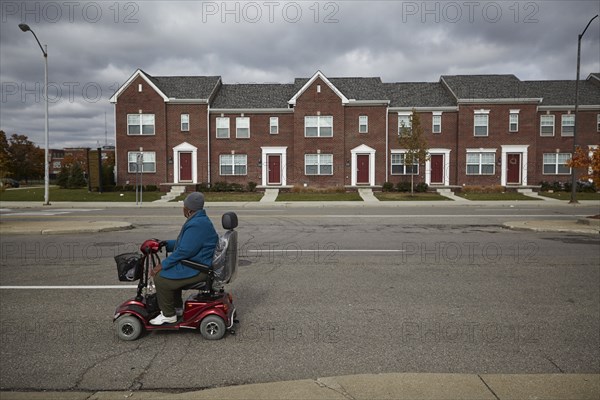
[[324, 132]]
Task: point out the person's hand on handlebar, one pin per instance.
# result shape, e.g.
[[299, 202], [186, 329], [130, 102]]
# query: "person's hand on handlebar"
[[156, 269]]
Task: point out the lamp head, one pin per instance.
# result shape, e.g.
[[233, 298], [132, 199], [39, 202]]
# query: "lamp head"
[[24, 27]]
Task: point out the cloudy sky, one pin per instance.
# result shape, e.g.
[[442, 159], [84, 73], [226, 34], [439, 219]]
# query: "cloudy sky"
[[94, 47]]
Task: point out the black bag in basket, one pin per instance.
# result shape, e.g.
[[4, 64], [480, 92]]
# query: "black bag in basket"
[[129, 266]]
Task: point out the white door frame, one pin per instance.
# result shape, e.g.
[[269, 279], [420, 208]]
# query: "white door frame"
[[363, 150], [273, 150], [446, 154], [514, 148], [185, 147]]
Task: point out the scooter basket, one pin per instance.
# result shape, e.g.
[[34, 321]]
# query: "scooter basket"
[[129, 266]]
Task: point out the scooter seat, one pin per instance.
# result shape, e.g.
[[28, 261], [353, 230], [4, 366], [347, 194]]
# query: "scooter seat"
[[195, 286]]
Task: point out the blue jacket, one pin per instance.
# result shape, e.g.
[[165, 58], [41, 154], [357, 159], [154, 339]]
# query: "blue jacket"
[[196, 242]]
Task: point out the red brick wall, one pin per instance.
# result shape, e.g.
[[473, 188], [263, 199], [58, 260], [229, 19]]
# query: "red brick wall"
[[149, 102], [311, 103]]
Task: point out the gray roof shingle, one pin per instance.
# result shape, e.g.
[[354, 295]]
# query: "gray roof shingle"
[[250, 96], [561, 93], [186, 87], [356, 88], [418, 94], [485, 86]]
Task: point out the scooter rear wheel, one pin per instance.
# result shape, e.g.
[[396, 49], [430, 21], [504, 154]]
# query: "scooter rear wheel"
[[212, 327], [128, 327]]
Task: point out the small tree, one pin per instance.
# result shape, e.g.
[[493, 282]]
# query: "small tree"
[[411, 139], [25, 159], [590, 163]]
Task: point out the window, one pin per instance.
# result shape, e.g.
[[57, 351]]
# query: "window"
[[513, 121], [222, 127], [140, 124], [318, 164], [568, 125], [242, 127], [547, 125], [554, 164], [185, 122], [598, 120], [233, 164], [481, 123], [399, 167], [363, 124], [318, 126], [436, 123], [404, 121], [274, 125], [147, 161], [481, 163]]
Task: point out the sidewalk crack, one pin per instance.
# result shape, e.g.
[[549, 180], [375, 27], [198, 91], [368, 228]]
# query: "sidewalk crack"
[[555, 365], [488, 387], [331, 384]]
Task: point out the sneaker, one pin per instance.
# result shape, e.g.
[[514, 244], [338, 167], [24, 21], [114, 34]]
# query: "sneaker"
[[179, 311], [161, 319]]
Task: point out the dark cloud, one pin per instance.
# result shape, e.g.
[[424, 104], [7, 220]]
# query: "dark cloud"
[[95, 46]]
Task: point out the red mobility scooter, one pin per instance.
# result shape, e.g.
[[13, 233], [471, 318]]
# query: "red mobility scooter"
[[210, 310]]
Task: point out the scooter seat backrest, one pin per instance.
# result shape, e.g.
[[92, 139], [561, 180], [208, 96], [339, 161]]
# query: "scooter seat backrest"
[[225, 259]]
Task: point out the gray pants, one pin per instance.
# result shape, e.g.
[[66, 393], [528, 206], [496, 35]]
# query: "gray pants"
[[169, 291]]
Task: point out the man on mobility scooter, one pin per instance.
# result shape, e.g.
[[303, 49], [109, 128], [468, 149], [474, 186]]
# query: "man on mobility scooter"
[[200, 260]]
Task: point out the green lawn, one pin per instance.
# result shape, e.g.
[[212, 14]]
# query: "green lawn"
[[507, 196], [57, 194], [288, 196], [226, 196], [396, 196], [567, 195]]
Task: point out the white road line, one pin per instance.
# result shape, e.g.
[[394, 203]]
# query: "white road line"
[[69, 287], [327, 250]]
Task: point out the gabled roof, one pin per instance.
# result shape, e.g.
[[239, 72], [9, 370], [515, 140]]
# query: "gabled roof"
[[594, 77], [562, 93], [198, 88], [309, 82], [253, 96], [485, 87], [418, 94], [353, 88]]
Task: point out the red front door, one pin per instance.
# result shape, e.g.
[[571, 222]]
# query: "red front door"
[[274, 162], [513, 169], [362, 169], [437, 168], [185, 167]]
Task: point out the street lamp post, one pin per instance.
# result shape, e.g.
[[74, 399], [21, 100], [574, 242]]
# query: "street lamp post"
[[25, 28], [573, 175]]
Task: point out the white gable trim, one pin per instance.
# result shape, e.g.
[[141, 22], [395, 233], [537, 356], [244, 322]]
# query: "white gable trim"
[[318, 74], [137, 73]]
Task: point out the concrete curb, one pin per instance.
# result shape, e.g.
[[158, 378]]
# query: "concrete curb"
[[61, 227], [573, 226], [397, 386]]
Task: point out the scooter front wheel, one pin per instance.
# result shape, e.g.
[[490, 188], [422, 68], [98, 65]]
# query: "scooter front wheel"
[[128, 327], [212, 327]]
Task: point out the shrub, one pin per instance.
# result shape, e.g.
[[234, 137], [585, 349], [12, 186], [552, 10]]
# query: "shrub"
[[403, 186], [252, 186], [421, 187], [236, 187], [151, 188], [220, 187], [128, 188], [202, 187], [387, 187]]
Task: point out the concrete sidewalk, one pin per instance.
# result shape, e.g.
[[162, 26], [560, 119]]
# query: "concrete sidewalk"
[[396, 386]]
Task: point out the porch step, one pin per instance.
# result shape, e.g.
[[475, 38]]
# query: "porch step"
[[367, 195], [450, 194], [270, 195], [175, 192]]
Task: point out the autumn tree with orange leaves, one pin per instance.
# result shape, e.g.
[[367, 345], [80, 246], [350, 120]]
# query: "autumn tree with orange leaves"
[[588, 162]]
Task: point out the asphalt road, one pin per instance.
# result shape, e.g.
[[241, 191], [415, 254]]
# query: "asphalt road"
[[320, 292]]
